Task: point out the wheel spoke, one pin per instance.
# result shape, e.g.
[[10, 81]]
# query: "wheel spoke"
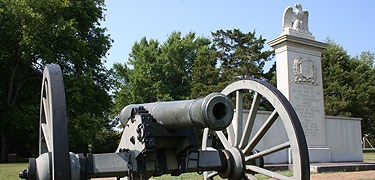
[[238, 117], [46, 108], [45, 86], [250, 120], [245, 134], [212, 174], [268, 151], [46, 93], [230, 133], [46, 135], [261, 132], [266, 172], [223, 140]]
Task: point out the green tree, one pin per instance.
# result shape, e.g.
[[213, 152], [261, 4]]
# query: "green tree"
[[338, 81], [187, 67], [364, 104], [349, 86], [241, 55], [88, 108], [177, 57], [159, 72], [180, 56], [34, 33], [205, 76], [144, 80], [366, 57]]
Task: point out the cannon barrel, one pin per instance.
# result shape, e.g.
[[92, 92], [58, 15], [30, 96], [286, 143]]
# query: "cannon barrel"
[[214, 111]]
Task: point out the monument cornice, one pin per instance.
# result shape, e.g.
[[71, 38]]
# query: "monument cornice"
[[289, 39]]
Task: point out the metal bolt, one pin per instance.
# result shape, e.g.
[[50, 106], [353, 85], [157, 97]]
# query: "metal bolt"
[[24, 174]]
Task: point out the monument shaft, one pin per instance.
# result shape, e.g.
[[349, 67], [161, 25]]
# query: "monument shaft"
[[299, 59], [299, 78]]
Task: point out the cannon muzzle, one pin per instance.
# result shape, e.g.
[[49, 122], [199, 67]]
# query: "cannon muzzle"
[[214, 111]]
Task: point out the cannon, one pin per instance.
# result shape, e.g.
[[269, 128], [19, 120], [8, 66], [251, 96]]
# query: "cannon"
[[161, 138]]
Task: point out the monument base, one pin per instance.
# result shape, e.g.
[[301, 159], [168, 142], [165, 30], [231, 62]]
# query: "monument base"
[[344, 138], [321, 154], [297, 34]]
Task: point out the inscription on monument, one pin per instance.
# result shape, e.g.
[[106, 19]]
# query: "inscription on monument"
[[308, 107]]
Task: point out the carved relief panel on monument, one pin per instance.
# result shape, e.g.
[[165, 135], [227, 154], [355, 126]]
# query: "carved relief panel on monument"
[[304, 71]]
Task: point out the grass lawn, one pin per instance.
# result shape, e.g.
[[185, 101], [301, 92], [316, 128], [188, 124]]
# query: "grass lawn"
[[10, 171], [188, 176], [369, 156]]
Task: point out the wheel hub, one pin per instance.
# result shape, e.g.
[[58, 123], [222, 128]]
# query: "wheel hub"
[[235, 164]]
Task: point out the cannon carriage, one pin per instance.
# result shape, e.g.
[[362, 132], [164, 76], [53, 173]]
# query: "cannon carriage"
[[161, 138]]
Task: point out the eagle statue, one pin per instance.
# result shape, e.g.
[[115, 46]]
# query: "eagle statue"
[[297, 21]]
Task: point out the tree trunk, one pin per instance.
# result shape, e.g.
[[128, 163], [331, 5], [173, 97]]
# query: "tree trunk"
[[4, 148]]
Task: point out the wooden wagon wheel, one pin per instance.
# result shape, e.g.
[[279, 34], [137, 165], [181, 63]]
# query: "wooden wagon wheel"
[[239, 138], [53, 136]]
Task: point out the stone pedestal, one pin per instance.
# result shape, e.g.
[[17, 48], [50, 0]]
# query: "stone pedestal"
[[299, 78]]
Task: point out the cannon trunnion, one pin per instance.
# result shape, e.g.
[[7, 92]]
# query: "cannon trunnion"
[[161, 138]]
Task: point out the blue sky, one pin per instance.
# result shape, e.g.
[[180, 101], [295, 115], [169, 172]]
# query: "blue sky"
[[350, 23]]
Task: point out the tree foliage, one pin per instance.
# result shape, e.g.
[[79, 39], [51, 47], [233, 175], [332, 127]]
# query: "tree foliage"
[[189, 66], [205, 76], [338, 81], [145, 78], [34, 33], [366, 57], [349, 85], [159, 72], [241, 55], [178, 56]]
